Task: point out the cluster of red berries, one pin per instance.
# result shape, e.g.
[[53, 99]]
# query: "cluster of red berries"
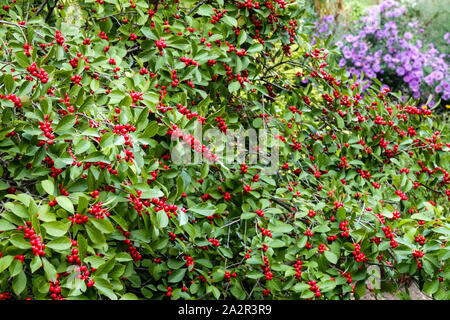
[[27, 48], [100, 164], [41, 74], [348, 276], [359, 256], [314, 288], [62, 190], [332, 238], [189, 61], [322, 248], [418, 254], [160, 44], [401, 194], [420, 239], [172, 236], [46, 128], [132, 250], [311, 213], [185, 111], [265, 232], [309, 233], [298, 268], [13, 98], [221, 124], [98, 211], [193, 142], [395, 215], [266, 268], [74, 258], [35, 240], [51, 164], [214, 242], [344, 228], [78, 218], [241, 52], [189, 261], [390, 235], [10, 134], [228, 275], [218, 15], [76, 78], [175, 80], [136, 96], [55, 289], [5, 296], [244, 168], [133, 37], [59, 38]]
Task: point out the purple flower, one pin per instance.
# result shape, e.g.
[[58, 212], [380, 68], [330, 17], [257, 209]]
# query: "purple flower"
[[407, 35]]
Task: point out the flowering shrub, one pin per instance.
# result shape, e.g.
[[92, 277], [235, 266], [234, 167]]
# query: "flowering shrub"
[[93, 204], [386, 45]]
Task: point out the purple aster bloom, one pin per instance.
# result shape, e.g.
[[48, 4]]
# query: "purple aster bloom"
[[400, 71]]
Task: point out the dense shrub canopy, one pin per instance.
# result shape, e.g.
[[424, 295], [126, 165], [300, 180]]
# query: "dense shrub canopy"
[[92, 204]]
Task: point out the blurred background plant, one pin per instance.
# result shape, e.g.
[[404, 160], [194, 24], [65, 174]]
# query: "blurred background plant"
[[404, 44]]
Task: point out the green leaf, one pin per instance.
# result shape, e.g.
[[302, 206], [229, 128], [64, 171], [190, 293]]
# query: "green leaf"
[[95, 235], [205, 10], [5, 262], [254, 48], [106, 267], [129, 296], [282, 227], [9, 83], [431, 287], [50, 271], [183, 218], [226, 252], [103, 225], [104, 287], [234, 86], [65, 203], [162, 219], [301, 287], [204, 209], [175, 264], [56, 228], [60, 244], [35, 264], [22, 59], [6, 225], [248, 215], [82, 246], [48, 186], [19, 242], [230, 21], [331, 256], [19, 283], [177, 275], [107, 140], [65, 124]]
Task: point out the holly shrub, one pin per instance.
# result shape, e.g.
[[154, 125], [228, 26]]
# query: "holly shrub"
[[96, 96]]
